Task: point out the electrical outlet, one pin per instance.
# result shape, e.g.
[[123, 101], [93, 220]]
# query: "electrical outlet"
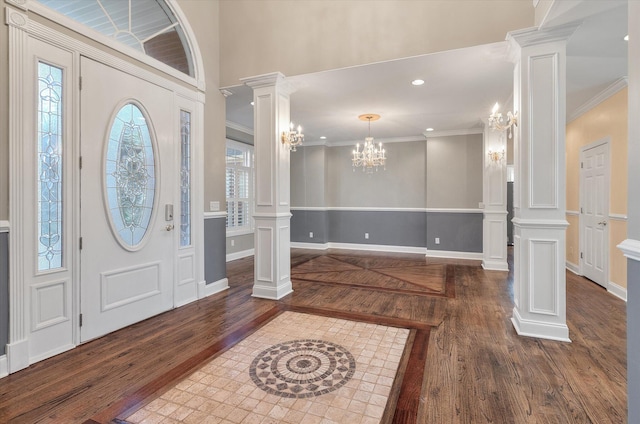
[[310, 234], [366, 236], [437, 240], [233, 242]]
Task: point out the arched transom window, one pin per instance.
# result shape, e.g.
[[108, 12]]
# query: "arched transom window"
[[148, 26]]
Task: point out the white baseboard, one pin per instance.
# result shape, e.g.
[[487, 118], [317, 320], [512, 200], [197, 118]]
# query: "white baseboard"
[[240, 255], [205, 289], [51, 353], [617, 290], [377, 248], [573, 268], [391, 249], [4, 369], [449, 254], [312, 246], [18, 355]]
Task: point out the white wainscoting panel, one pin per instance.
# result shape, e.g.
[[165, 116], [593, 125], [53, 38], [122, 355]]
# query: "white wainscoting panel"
[[186, 269], [117, 290], [264, 264], [49, 304], [542, 295]]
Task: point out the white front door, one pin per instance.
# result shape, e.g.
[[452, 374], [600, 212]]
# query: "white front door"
[[127, 192], [594, 183]]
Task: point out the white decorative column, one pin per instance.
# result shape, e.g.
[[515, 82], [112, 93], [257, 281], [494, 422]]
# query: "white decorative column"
[[540, 180], [272, 216], [494, 198]]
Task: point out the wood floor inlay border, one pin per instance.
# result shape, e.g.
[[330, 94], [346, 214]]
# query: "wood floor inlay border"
[[406, 384]]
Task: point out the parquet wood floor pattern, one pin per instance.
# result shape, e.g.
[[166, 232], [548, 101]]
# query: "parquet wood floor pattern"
[[401, 276], [475, 370]]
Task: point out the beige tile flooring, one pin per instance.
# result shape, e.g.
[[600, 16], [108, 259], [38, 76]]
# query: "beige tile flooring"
[[223, 391]]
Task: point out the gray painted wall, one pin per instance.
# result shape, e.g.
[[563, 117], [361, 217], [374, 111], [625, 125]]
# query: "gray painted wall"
[[458, 232], [308, 176], [215, 264], [240, 243], [401, 185], [441, 172], [393, 228], [303, 222], [454, 172], [4, 292]]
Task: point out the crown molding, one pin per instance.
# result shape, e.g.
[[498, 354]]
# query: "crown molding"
[[449, 133], [612, 89], [239, 127]]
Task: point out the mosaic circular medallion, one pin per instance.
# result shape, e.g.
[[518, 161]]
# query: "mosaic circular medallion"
[[302, 368]]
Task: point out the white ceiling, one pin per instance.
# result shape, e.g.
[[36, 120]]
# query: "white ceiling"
[[460, 86]]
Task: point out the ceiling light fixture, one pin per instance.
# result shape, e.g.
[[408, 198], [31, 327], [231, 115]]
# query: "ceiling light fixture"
[[429, 129], [252, 103], [626, 37], [371, 156], [417, 82], [498, 122], [322, 137], [292, 138]]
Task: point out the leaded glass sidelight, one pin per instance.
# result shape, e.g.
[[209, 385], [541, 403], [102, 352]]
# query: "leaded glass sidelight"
[[130, 175], [185, 178], [50, 143]]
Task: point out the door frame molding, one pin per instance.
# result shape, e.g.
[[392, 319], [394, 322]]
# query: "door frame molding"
[[21, 29], [606, 141]]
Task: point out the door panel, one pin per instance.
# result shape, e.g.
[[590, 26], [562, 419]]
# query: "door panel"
[[595, 211], [127, 179]]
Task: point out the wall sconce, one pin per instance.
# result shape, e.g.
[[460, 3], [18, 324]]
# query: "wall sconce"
[[292, 138], [498, 122], [495, 158]]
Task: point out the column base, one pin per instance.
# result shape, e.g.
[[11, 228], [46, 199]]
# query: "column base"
[[272, 293], [539, 329], [495, 265]]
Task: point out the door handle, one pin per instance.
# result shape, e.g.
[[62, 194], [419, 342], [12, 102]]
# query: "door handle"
[[603, 223], [169, 227]]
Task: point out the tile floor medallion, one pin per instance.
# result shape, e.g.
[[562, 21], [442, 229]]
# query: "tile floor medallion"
[[298, 368]]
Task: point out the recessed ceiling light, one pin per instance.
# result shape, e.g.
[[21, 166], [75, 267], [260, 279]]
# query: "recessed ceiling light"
[[429, 129], [323, 137], [251, 103], [626, 37], [417, 82]]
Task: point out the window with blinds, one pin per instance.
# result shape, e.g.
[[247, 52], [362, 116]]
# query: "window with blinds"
[[239, 186]]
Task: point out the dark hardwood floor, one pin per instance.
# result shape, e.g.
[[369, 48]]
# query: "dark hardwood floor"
[[465, 365]]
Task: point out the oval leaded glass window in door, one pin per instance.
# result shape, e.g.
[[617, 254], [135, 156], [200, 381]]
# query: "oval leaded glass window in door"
[[130, 176]]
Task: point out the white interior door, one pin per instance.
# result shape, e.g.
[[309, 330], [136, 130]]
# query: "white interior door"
[[127, 193], [594, 183]]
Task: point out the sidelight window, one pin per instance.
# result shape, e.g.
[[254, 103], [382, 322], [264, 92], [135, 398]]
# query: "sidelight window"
[[185, 178], [50, 176]]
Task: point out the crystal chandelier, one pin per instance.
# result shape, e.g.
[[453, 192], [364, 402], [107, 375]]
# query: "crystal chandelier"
[[498, 122], [292, 138], [371, 156]]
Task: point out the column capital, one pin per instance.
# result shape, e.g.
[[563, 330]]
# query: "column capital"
[[273, 79], [533, 36]]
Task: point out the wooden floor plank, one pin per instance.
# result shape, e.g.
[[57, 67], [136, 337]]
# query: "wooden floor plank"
[[476, 368]]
